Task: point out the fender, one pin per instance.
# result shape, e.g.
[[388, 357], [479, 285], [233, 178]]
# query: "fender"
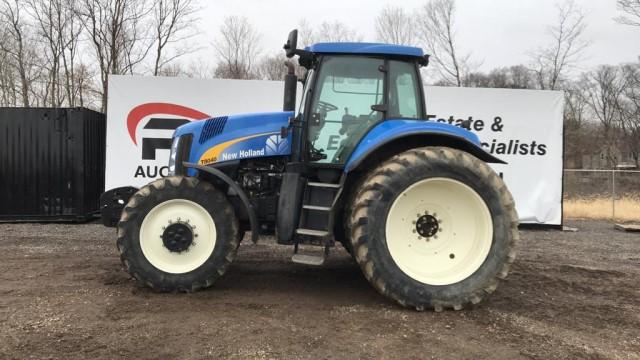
[[426, 131], [253, 219]]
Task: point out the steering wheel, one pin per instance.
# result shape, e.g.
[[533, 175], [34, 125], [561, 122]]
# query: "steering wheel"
[[325, 107]]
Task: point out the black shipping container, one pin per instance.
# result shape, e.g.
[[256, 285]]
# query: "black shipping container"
[[52, 163]]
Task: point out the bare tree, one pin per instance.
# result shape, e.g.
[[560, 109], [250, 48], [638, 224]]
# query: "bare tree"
[[58, 29], [171, 70], [514, 77], [521, 77], [435, 26], [575, 120], [552, 63], [8, 87], [117, 31], [16, 47], [272, 68], [237, 46], [604, 91], [395, 26], [334, 31], [305, 33], [199, 69], [631, 8], [8, 91], [630, 111], [84, 91], [173, 24], [73, 72]]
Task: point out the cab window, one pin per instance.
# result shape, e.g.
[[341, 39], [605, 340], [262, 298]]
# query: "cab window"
[[341, 112], [405, 98]]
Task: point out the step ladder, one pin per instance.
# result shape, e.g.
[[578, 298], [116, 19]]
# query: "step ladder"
[[312, 211]]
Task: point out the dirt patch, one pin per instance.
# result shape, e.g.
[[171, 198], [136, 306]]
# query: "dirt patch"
[[64, 295]]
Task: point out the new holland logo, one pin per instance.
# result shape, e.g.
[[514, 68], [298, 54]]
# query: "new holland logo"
[[276, 145]]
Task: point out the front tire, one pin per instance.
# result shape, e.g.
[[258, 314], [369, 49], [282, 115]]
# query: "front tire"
[[177, 234], [444, 229]]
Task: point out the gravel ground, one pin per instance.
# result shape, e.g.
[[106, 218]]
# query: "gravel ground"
[[64, 295]]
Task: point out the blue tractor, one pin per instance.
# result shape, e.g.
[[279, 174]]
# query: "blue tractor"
[[430, 224]]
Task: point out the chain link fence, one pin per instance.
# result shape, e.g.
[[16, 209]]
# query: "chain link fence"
[[602, 194]]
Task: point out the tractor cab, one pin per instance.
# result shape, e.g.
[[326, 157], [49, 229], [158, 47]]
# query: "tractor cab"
[[349, 89]]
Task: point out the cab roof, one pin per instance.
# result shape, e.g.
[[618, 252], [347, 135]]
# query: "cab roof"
[[360, 48]]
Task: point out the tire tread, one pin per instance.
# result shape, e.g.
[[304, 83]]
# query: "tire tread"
[[127, 225], [379, 181]]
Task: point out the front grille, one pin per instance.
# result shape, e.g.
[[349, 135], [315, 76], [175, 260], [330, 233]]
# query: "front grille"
[[212, 127]]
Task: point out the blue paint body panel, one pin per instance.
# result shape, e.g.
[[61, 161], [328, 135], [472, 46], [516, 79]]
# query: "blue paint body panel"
[[393, 129], [261, 130], [360, 48], [260, 137]]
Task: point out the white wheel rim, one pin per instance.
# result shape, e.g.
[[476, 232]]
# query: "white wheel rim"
[[462, 240], [186, 212]]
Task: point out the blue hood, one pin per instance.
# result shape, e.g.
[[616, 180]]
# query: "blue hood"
[[237, 137], [239, 125]]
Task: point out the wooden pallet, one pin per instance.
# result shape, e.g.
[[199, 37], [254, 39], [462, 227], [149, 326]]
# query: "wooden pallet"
[[627, 227]]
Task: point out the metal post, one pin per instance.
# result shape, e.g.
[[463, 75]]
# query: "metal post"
[[613, 192]]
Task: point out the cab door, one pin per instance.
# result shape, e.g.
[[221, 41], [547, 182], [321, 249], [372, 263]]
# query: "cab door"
[[353, 94], [347, 101]]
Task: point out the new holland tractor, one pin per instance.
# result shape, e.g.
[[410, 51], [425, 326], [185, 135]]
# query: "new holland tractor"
[[430, 224]]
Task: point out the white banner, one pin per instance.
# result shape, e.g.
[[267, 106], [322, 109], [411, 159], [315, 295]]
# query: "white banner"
[[522, 127]]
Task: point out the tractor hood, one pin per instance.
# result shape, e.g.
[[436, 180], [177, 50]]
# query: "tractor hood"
[[237, 137]]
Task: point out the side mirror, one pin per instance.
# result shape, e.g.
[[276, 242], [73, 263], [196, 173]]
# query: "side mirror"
[[292, 44], [424, 61]]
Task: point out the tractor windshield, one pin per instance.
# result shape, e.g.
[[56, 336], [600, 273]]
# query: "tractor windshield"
[[347, 89]]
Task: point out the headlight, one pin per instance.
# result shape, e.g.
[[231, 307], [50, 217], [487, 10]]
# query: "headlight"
[[172, 155]]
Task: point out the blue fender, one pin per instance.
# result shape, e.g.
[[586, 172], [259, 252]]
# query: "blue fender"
[[392, 130]]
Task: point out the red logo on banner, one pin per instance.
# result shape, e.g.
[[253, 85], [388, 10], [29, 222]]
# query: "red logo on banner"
[[141, 111]]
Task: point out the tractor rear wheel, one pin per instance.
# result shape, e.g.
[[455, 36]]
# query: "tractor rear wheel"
[[177, 234], [434, 228]]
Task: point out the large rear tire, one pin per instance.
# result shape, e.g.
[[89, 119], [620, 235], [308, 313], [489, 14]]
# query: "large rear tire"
[[434, 228], [177, 234]]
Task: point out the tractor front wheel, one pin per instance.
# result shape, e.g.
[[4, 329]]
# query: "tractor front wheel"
[[444, 228], [177, 234]]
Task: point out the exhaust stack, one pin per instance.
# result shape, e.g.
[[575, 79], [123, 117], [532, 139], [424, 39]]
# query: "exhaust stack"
[[290, 88]]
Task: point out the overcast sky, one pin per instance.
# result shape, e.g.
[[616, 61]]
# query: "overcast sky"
[[497, 32]]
